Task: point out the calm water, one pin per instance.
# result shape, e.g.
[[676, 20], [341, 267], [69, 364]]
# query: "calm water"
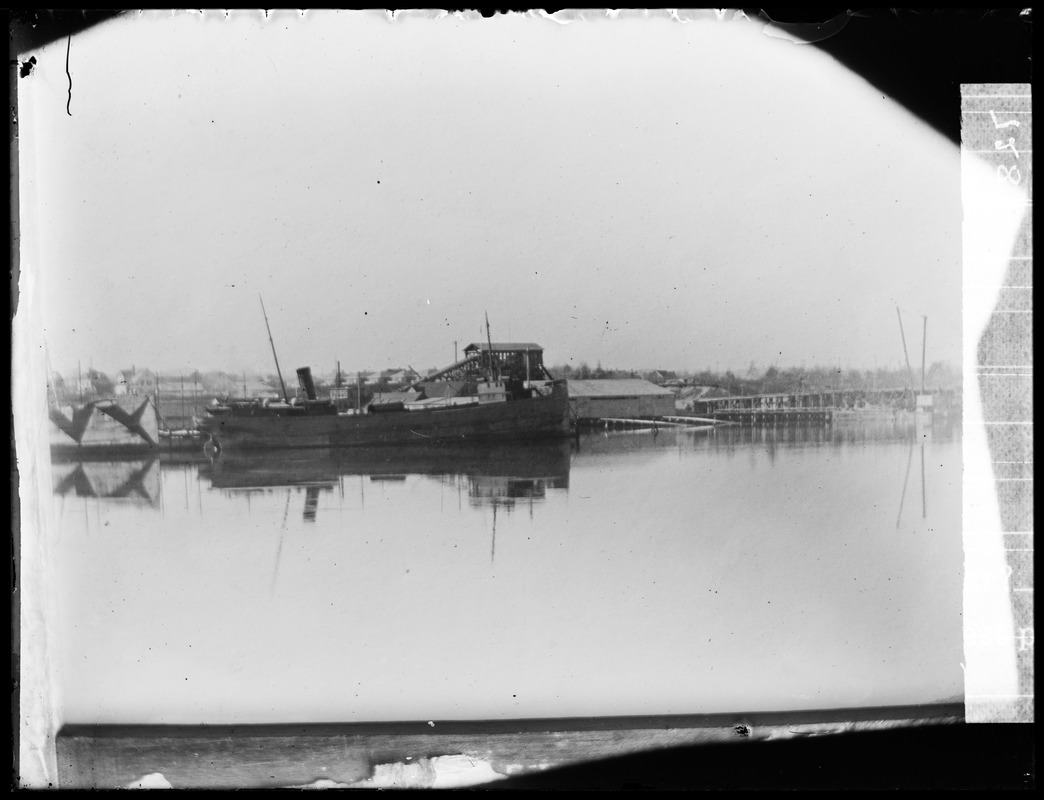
[[628, 573]]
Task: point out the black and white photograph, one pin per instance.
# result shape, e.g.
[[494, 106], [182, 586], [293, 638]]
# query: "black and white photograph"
[[591, 399]]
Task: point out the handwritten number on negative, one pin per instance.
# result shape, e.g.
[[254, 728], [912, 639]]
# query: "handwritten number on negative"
[[1009, 174], [1010, 122], [999, 145], [1012, 175]]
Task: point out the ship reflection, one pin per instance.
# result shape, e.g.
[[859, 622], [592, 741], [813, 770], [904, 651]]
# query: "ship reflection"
[[505, 492], [499, 476], [311, 508], [133, 482]]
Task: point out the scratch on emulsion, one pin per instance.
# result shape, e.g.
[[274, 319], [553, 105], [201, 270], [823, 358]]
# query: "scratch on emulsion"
[[68, 47]]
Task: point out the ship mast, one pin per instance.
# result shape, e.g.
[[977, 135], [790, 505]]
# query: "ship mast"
[[924, 350], [489, 343], [280, 374], [913, 390]]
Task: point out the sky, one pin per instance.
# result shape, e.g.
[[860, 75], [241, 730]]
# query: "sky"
[[634, 192]]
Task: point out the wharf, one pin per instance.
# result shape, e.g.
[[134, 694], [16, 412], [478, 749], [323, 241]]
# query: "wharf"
[[775, 416], [181, 441], [806, 408], [652, 422], [169, 449], [125, 426]]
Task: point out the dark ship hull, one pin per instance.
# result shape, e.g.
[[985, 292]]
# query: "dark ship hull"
[[537, 417]]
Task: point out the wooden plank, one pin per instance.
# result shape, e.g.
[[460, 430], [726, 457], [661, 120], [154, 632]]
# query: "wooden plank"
[[689, 420]]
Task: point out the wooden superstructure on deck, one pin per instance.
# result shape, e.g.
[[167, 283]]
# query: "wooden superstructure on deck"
[[519, 361]]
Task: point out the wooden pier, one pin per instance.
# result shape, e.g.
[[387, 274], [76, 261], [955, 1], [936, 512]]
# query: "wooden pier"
[[776, 416], [769, 418], [811, 408], [630, 423]]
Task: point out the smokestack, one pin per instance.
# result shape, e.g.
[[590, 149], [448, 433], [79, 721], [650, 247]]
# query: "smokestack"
[[304, 378]]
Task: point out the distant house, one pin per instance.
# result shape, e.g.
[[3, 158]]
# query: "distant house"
[[394, 397], [358, 377], [175, 385], [135, 382], [620, 398], [179, 399], [396, 377], [692, 398], [685, 397], [254, 387], [660, 376], [94, 384]]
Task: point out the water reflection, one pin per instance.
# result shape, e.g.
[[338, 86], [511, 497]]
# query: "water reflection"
[[490, 476], [906, 483], [133, 482], [670, 571], [738, 437], [311, 503], [497, 475]]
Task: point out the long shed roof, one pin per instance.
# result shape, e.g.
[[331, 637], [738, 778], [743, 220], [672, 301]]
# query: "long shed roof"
[[501, 346], [616, 387]]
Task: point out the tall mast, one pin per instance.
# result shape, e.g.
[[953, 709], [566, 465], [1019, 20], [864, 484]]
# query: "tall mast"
[[51, 379], [280, 374], [489, 343], [905, 354], [924, 349]]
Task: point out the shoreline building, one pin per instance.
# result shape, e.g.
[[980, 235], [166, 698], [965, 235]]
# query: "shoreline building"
[[619, 398]]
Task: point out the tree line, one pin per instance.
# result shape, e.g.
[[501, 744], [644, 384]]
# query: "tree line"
[[751, 381], [939, 375]]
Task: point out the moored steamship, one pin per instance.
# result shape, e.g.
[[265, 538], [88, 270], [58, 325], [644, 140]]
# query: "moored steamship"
[[497, 392]]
